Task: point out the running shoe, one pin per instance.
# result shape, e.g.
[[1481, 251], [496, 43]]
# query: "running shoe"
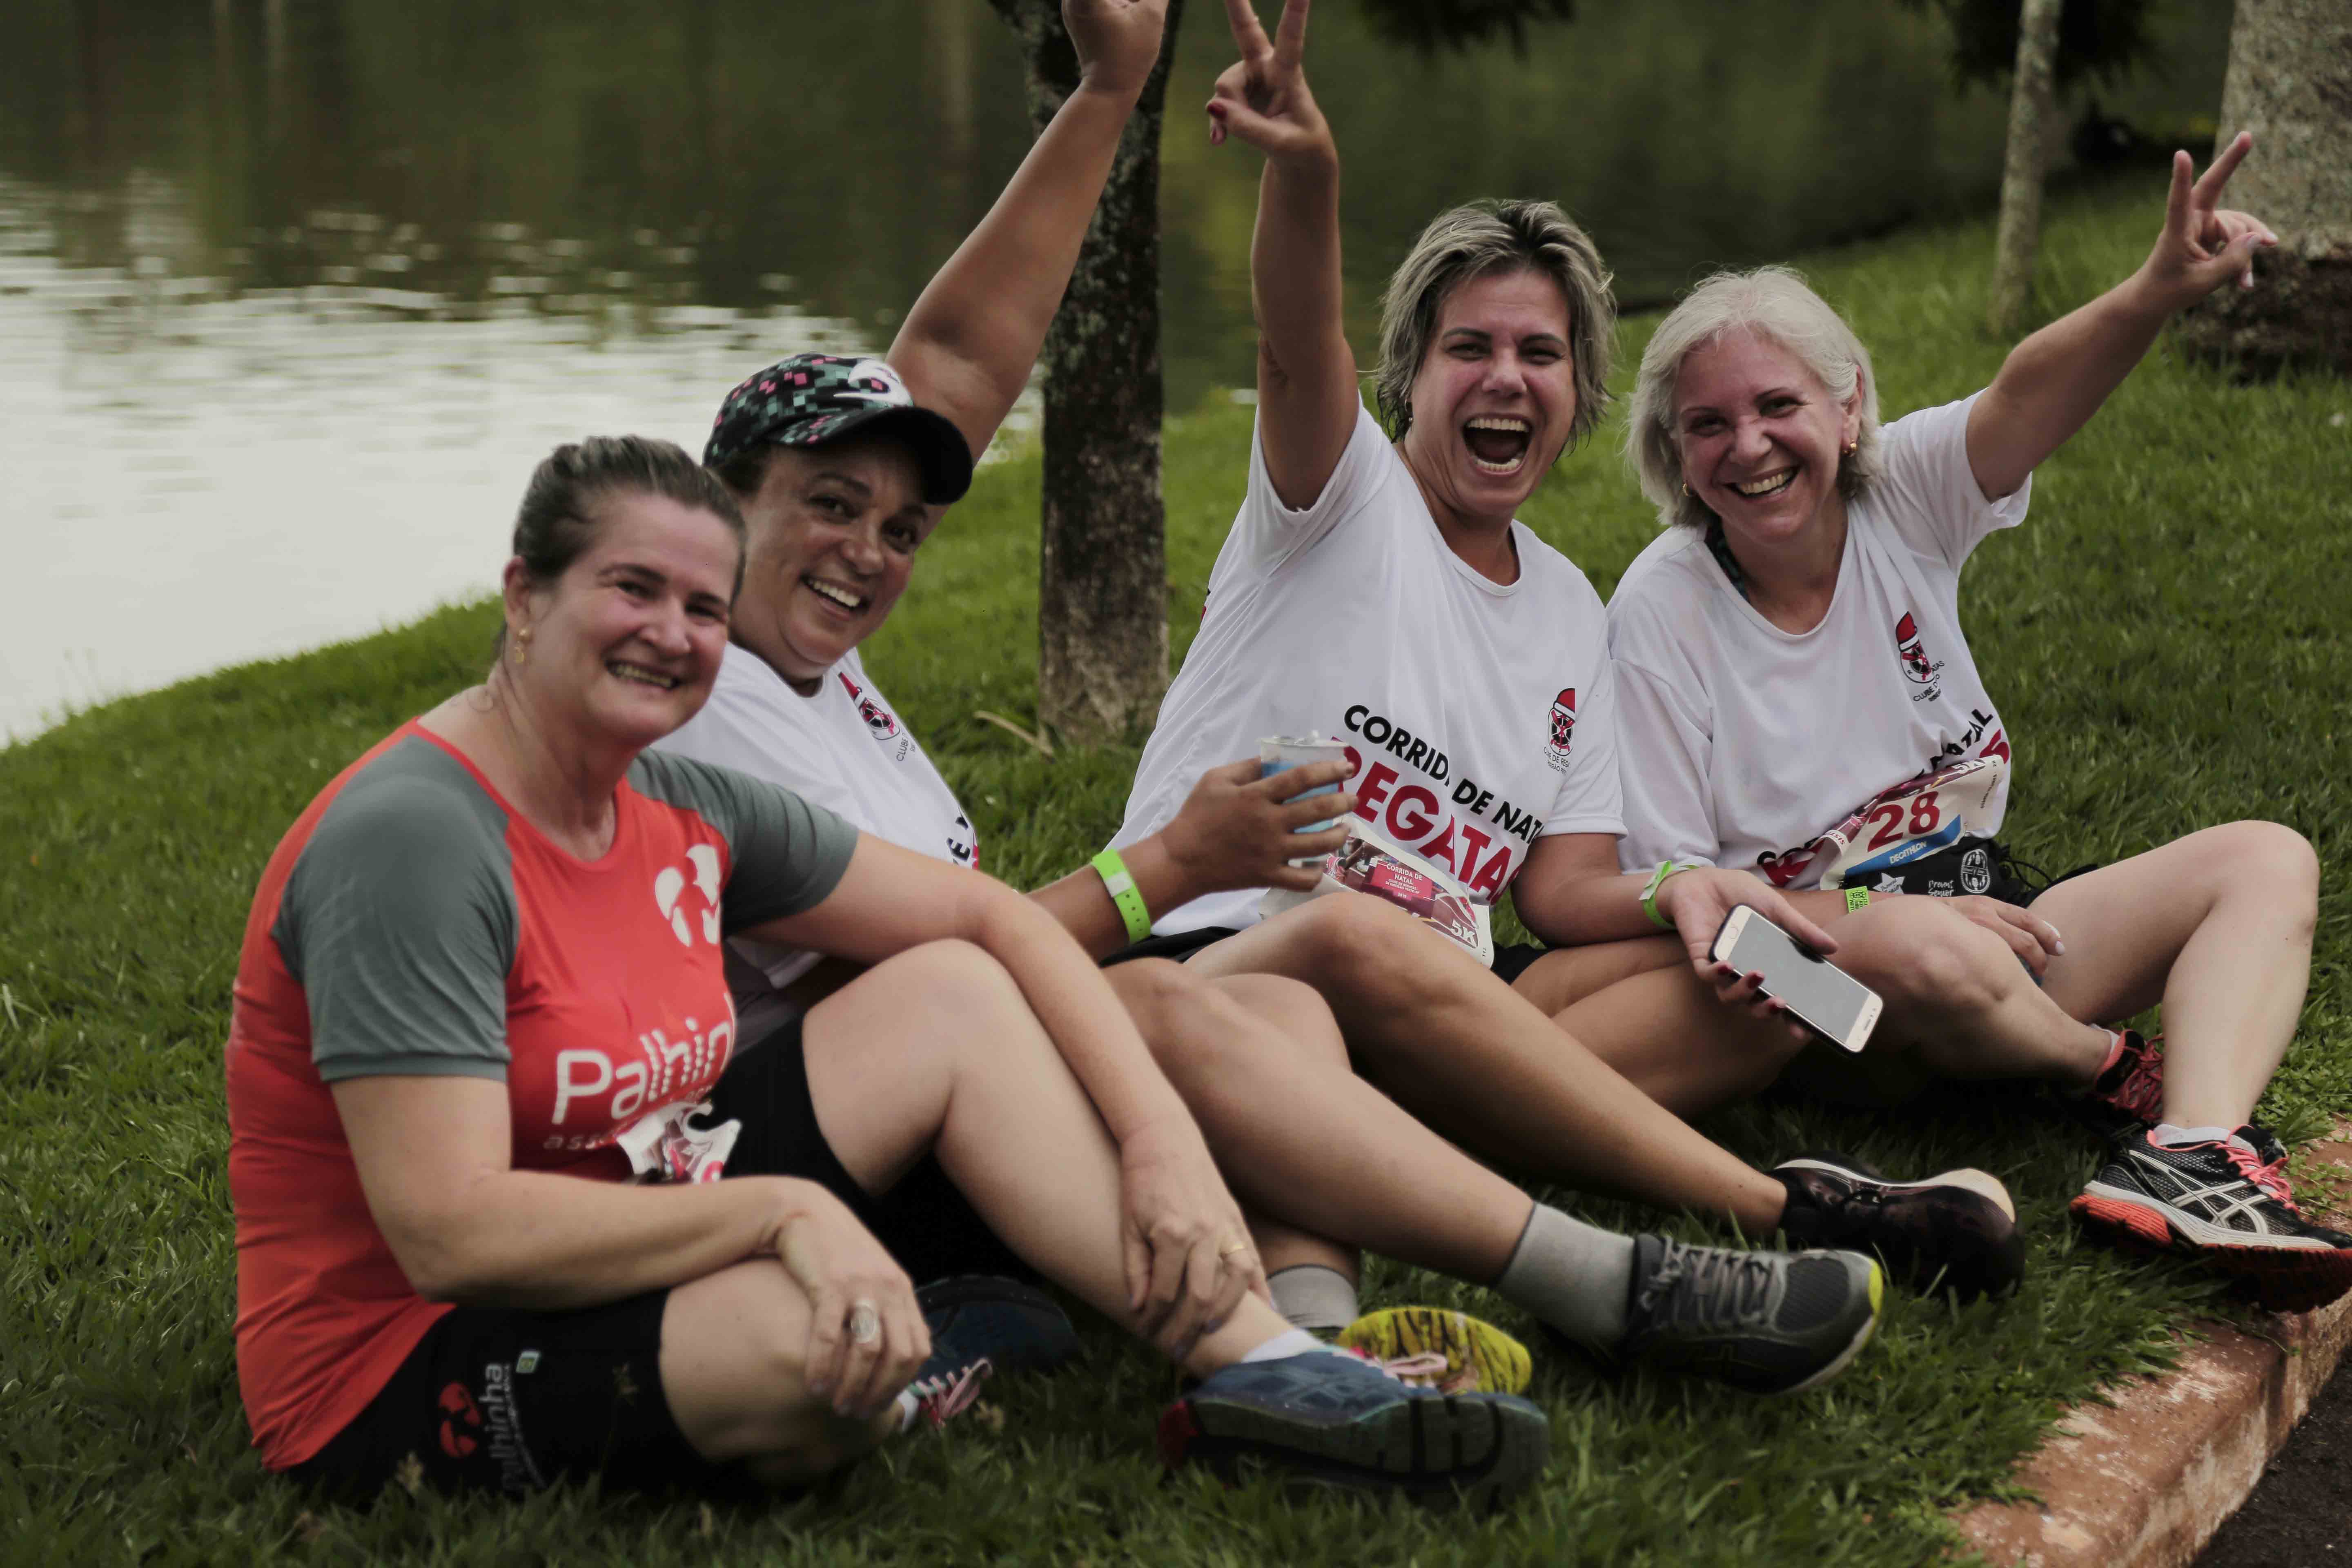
[[1015, 1326], [1955, 1231], [1432, 1347], [1765, 1322], [1327, 1418], [2129, 1090], [2226, 1203], [944, 1388]]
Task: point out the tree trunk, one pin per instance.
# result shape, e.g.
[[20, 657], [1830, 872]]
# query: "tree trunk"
[[2033, 113], [1102, 591], [2290, 83]]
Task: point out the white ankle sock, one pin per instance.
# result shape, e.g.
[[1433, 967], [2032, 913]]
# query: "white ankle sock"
[[1289, 1342], [1574, 1276], [1312, 1297]]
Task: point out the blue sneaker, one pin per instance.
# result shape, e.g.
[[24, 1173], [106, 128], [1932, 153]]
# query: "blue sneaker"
[[1334, 1420], [1014, 1327]]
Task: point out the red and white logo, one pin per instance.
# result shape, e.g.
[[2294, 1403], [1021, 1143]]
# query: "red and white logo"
[[878, 717], [690, 905], [1911, 650], [1563, 727]]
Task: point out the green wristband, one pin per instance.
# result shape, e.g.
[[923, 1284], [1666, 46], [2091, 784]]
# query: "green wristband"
[[1856, 899], [1119, 883], [1650, 894]]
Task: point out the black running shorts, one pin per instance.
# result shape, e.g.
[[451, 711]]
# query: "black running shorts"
[[1176, 948], [924, 1221], [502, 1400]]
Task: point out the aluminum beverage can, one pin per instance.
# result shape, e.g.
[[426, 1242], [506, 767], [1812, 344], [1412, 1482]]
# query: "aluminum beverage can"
[[1280, 753]]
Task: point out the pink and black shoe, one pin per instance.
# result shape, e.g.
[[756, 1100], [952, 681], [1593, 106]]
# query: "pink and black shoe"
[[2226, 1203], [2129, 1089]]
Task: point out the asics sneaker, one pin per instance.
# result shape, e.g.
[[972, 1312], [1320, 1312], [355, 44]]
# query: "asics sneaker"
[[1328, 1418], [1955, 1231], [2228, 1204], [1453, 1353], [2129, 1089], [1015, 1326], [1766, 1322]]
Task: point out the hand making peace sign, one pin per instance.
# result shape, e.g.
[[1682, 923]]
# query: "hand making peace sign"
[[1263, 99], [2202, 245]]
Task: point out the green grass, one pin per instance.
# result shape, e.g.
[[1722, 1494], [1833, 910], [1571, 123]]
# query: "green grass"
[[2163, 640]]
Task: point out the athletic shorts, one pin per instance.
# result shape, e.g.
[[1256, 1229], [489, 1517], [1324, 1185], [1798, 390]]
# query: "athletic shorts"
[[1510, 961], [503, 1399], [924, 1221], [1176, 948]]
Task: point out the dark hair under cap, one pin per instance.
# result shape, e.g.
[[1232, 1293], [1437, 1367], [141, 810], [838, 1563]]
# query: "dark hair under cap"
[[813, 400]]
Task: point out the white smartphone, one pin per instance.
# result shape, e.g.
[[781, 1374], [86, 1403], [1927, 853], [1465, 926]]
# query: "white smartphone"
[[1833, 1003]]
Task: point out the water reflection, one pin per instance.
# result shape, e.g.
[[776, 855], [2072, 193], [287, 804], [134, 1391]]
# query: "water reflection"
[[293, 292]]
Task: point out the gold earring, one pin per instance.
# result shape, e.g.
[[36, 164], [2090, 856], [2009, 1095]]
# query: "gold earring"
[[1686, 489], [1851, 447], [522, 645]]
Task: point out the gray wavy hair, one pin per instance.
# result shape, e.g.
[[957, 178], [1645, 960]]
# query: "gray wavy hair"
[[1477, 240], [1775, 302]]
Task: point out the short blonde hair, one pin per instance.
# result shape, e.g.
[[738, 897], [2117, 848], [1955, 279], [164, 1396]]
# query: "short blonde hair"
[[1774, 302], [1476, 241]]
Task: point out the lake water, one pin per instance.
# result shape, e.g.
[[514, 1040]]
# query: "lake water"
[[294, 292]]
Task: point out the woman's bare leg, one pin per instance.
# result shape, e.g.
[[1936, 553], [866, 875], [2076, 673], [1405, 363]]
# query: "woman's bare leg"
[[1302, 1140], [1959, 1001], [1477, 1061], [1639, 1007], [2218, 927], [732, 1353], [937, 1050]]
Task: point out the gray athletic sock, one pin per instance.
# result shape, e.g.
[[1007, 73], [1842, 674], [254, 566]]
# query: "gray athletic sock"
[[1574, 1276], [1318, 1300]]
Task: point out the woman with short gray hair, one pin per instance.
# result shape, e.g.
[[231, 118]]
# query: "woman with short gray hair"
[[1799, 702]]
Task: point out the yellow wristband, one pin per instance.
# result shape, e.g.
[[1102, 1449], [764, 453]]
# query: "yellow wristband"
[[1119, 883], [1856, 899], [1650, 894]]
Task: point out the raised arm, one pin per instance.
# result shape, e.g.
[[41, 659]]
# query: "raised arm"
[[1307, 397], [2054, 381], [967, 344]]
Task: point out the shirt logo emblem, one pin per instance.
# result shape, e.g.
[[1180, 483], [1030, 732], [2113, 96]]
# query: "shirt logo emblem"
[[1911, 650], [1563, 729], [670, 889], [878, 717]]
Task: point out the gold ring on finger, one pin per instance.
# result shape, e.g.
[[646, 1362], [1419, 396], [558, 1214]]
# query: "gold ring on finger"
[[864, 1323], [1232, 1248]]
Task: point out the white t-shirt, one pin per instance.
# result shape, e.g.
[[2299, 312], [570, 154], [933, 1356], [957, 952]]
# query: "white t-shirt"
[[1476, 714], [843, 749], [1743, 743]]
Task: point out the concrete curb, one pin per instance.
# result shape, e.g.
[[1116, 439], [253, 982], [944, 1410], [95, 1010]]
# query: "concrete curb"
[[2145, 1482]]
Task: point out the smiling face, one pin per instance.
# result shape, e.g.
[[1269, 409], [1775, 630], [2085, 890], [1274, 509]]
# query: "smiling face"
[[834, 531], [1760, 437], [624, 647], [1493, 398]]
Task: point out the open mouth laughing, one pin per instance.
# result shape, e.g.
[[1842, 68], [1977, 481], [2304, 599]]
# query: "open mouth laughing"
[[1769, 485], [642, 675], [1499, 442], [849, 600]]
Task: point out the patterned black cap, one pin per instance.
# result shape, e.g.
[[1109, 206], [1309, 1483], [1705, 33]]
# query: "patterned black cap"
[[810, 400]]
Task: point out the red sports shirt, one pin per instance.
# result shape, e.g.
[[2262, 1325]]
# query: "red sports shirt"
[[412, 923]]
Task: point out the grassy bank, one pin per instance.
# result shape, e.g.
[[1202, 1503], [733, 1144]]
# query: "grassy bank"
[[2163, 638]]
